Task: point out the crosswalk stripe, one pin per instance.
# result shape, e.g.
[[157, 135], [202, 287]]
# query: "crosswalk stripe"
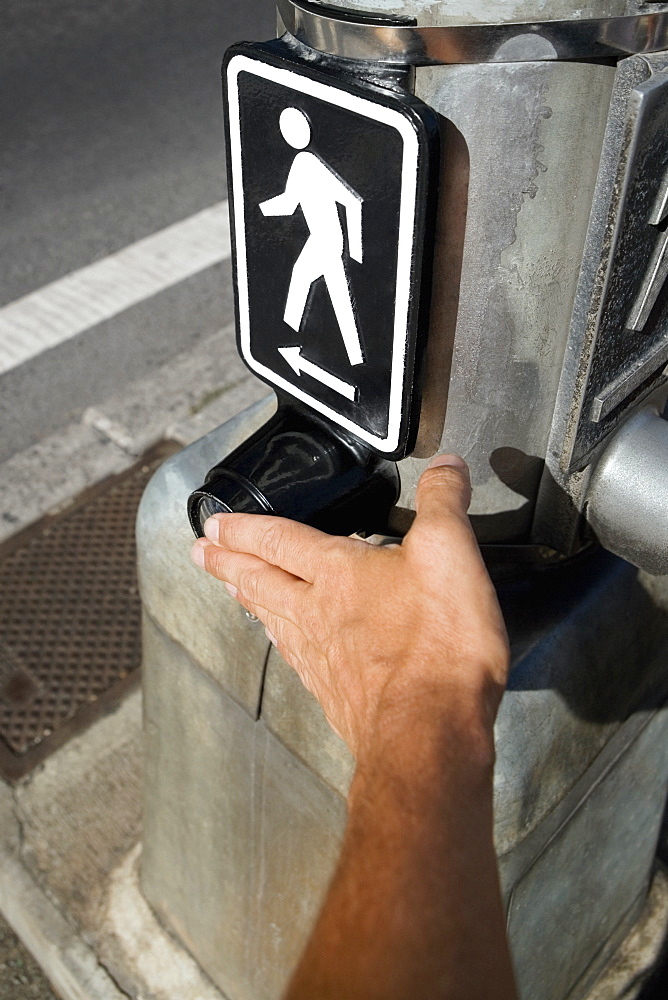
[[80, 300]]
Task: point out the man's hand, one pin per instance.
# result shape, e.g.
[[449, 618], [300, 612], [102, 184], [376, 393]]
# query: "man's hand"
[[372, 631], [405, 649]]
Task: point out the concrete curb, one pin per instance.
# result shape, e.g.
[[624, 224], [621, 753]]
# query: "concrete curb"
[[68, 962], [112, 949]]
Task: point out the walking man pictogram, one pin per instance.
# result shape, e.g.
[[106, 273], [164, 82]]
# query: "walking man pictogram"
[[318, 189]]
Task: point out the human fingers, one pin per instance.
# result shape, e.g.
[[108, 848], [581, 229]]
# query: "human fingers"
[[288, 639], [444, 491], [300, 655], [296, 548], [261, 583], [295, 648], [283, 633]]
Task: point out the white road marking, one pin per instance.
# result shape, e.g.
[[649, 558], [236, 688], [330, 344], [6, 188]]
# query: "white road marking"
[[80, 300], [299, 364]]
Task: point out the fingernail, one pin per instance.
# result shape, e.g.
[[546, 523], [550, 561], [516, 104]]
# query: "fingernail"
[[231, 589], [212, 529], [197, 554], [272, 638], [453, 460]]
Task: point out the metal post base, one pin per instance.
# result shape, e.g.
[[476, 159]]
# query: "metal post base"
[[245, 782]]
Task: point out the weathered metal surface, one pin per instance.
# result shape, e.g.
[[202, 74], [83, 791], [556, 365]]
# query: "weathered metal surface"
[[490, 11], [69, 616], [377, 38], [624, 339], [609, 369], [532, 132]]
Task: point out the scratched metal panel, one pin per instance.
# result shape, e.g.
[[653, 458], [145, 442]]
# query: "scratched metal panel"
[[623, 314]]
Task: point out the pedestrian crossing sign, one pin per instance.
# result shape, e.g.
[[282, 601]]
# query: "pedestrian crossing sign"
[[330, 184]]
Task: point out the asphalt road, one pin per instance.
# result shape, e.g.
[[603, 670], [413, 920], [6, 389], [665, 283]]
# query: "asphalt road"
[[110, 130], [110, 122]]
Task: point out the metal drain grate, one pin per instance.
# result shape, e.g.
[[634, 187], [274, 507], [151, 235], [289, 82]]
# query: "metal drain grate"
[[70, 632]]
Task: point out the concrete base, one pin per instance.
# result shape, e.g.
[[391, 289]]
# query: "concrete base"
[[69, 851], [245, 784]]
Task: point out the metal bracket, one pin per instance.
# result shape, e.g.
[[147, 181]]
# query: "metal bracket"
[[396, 42]]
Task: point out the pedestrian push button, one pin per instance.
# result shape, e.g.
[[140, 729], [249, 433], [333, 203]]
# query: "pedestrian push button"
[[331, 184]]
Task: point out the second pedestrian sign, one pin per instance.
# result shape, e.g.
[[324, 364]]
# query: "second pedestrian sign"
[[330, 186]]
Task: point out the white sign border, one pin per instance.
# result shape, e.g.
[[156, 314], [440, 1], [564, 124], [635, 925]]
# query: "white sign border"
[[407, 219]]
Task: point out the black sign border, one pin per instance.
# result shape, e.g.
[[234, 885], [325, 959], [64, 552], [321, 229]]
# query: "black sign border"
[[425, 124]]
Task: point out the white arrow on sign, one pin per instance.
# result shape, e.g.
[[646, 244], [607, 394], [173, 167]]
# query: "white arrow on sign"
[[293, 356]]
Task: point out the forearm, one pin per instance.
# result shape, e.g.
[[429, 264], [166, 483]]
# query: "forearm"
[[408, 662], [415, 909]]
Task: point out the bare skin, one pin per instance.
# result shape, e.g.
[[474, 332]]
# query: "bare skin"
[[405, 649]]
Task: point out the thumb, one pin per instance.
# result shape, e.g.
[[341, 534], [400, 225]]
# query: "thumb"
[[444, 489]]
